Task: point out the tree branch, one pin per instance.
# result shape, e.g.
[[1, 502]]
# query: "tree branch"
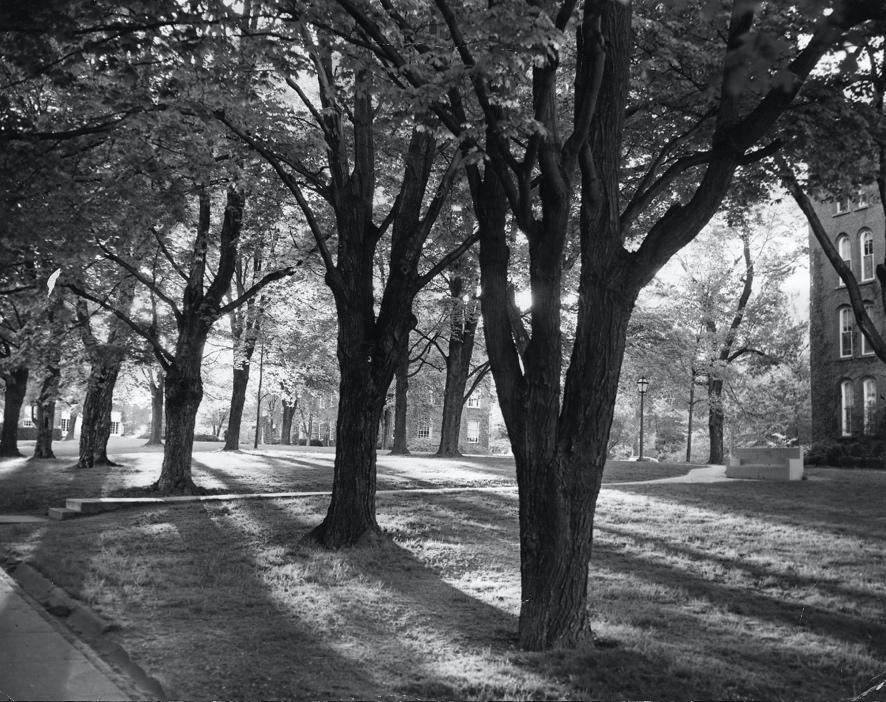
[[165, 358]]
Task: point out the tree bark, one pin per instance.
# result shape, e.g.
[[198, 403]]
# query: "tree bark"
[[715, 419], [350, 518], [238, 400], [95, 428], [244, 328], [46, 405], [157, 391], [286, 422], [103, 429], [399, 446], [183, 393], [462, 328], [16, 385]]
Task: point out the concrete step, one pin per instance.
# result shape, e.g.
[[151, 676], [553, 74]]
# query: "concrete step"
[[60, 513], [95, 505]]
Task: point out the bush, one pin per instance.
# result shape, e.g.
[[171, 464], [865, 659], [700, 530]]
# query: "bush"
[[205, 437], [854, 449]]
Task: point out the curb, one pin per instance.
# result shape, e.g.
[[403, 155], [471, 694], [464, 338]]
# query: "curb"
[[87, 626]]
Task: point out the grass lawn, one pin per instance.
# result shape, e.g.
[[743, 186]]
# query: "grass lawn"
[[29, 486], [738, 590]]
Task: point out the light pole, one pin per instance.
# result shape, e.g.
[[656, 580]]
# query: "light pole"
[[642, 384]]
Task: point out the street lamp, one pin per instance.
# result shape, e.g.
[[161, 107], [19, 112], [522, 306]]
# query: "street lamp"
[[642, 384]]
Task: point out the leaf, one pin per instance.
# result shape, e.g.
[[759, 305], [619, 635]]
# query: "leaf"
[[50, 283]]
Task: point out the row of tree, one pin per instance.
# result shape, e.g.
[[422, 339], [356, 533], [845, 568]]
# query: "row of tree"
[[153, 149]]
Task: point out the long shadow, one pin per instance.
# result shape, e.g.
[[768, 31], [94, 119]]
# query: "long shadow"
[[242, 485], [848, 628], [760, 572], [807, 504], [246, 645], [466, 621]]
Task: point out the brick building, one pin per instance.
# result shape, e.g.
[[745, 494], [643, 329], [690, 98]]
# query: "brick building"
[[316, 418], [848, 380]]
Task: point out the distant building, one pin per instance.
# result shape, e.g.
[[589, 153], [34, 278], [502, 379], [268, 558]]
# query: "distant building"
[[848, 380], [425, 417], [63, 423]]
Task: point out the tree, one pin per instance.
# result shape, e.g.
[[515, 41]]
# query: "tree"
[[539, 157], [50, 374], [463, 319], [337, 182], [245, 328], [105, 359], [837, 147]]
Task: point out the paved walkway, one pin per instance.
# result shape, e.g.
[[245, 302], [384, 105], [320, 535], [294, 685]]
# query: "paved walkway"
[[39, 661], [706, 474]]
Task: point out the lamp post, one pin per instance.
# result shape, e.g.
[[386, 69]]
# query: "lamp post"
[[642, 384]]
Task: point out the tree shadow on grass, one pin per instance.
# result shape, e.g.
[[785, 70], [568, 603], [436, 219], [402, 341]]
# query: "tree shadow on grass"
[[839, 506], [755, 570], [235, 483], [195, 610], [744, 603]]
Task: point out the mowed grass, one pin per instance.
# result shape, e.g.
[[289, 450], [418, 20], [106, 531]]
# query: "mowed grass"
[[736, 590], [32, 486]]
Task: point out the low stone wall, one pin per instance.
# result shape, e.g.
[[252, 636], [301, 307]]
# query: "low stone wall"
[[766, 463]]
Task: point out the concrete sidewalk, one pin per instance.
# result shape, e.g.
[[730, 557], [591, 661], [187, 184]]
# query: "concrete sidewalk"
[[39, 660]]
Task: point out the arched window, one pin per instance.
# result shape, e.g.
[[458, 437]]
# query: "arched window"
[[866, 239], [869, 388], [844, 248], [846, 401], [844, 316], [866, 348]]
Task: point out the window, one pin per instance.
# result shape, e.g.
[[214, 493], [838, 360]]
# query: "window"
[[115, 428], [846, 408], [474, 401], [27, 421], [866, 348], [867, 255], [869, 387], [846, 332], [844, 248], [473, 431], [65, 424], [423, 430], [862, 200], [841, 206]]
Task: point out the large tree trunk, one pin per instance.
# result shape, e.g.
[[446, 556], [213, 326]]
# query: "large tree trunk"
[[16, 386], [95, 428], [46, 406], [157, 391], [399, 445], [286, 422], [238, 399], [715, 419], [184, 391], [103, 430], [351, 514], [463, 325]]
